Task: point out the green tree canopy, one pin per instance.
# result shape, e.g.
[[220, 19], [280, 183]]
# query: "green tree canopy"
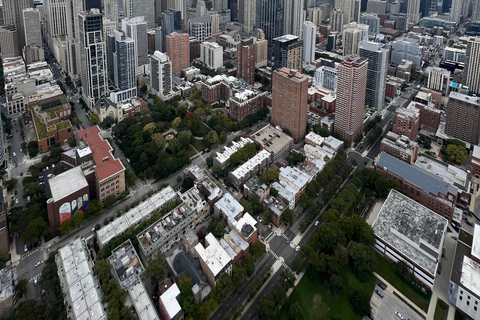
[[211, 139], [456, 153], [35, 229], [269, 176], [156, 267], [94, 120], [363, 259], [10, 184]]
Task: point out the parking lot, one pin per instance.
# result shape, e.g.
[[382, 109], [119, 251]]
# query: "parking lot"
[[384, 308]]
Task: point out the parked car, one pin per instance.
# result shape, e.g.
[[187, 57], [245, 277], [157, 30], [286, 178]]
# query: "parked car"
[[14, 154], [469, 223], [317, 223], [399, 315], [379, 293], [297, 248], [382, 285]]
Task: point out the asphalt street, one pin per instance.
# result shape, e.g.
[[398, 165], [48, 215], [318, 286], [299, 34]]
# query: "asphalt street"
[[384, 308]]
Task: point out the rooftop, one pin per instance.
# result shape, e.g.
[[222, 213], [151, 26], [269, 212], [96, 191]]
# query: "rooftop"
[[417, 176], [6, 283], [333, 143], [245, 225], [465, 98], [286, 38], [412, 229], [272, 139], [214, 256], [136, 215], [127, 264], [66, 183], [169, 300], [106, 164], [79, 282], [141, 301], [230, 207], [314, 138], [451, 174], [224, 156], [252, 162], [294, 176]]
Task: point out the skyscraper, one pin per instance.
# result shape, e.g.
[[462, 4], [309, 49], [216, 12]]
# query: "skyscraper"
[[136, 28], [13, 15], [92, 56], [247, 14], [56, 17], [373, 22], [476, 11], [110, 9], [351, 88], [351, 38], [89, 4], [290, 102], [337, 19], [472, 65], [356, 6], [160, 74], [219, 5], [346, 7], [309, 39], [413, 11], [293, 17], [74, 7], [246, 56], [178, 49], [181, 5], [462, 118], [269, 18], [287, 52], [139, 8], [200, 28], [171, 22], [31, 19], [377, 57], [121, 64]]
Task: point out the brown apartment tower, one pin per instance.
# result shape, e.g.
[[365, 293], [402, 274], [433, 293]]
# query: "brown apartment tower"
[[246, 57], [290, 102], [350, 107], [462, 120], [178, 49]]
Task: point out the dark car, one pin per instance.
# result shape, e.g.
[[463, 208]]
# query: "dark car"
[[379, 293], [382, 285]]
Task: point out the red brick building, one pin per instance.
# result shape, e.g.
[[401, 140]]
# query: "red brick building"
[[290, 102], [407, 122], [178, 49], [243, 103], [246, 57], [391, 89]]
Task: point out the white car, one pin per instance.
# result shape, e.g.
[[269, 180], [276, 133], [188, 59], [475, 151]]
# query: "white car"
[[16, 201], [38, 263], [297, 248], [35, 282], [14, 154], [317, 223], [26, 248], [399, 315]]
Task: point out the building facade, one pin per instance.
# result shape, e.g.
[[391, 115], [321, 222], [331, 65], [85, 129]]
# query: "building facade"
[[472, 66], [178, 50], [31, 19], [309, 41], [351, 88], [377, 57], [246, 57], [161, 74], [287, 52], [136, 29], [211, 54], [290, 102], [462, 119]]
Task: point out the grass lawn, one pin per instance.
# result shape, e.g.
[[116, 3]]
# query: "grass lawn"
[[384, 269], [318, 303], [441, 310], [198, 144]]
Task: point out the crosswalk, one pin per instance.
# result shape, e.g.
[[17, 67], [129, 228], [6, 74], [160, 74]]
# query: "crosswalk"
[[277, 257], [37, 276], [28, 254], [286, 238]]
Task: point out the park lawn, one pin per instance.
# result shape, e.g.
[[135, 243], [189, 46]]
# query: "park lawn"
[[198, 144], [384, 269], [441, 310], [318, 303]]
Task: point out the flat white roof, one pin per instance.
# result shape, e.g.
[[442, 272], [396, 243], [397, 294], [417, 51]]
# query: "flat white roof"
[[135, 215], [476, 242], [252, 162], [333, 142], [214, 256], [294, 176], [67, 183], [476, 152], [229, 206], [224, 156], [470, 277], [247, 219], [169, 299], [315, 138], [142, 303]]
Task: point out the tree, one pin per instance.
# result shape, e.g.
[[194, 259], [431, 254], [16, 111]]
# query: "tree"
[[296, 312], [269, 176], [321, 131], [109, 201], [93, 209], [328, 236], [35, 229], [223, 136], [360, 303], [10, 184], [217, 227], [156, 267], [67, 226], [187, 183], [78, 218], [249, 264], [246, 205], [31, 188], [267, 217], [287, 217], [211, 139], [456, 153], [184, 137], [295, 157], [176, 122], [21, 288], [331, 215], [94, 120], [159, 141], [336, 284], [363, 258], [403, 271]]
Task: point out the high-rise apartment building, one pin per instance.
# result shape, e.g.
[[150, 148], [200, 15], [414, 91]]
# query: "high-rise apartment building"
[[309, 40], [287, 52], [200, 27], [13, 15], [8, 42], [377, 57], [377, 6], [438, 79], [356, 10], [121, 65], [74, 7], [136, 28], [219, 5], [476, 11], [139, 8], [269, 18], [413, 11], [293, 17], [337, 19], [160, 74], [92, 56], [290, 102], [351, 88], [351, 38], [211, 54], [246, 57], [110, 9], [456, 10], [471, 71], [462, 119], [171, 22], [56, 17], [178, 50], [373, 22], [247, 14], [346, 7], [326, 77], [31, 19]]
